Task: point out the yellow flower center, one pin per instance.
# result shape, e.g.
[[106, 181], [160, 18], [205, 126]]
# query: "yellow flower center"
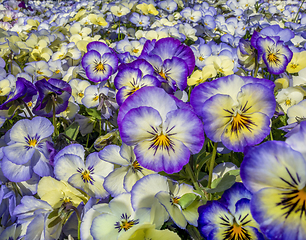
[[136, 166], [30, 104], [96, 98], [162, 141], [294, 202], [135, 50], [175, 200], [81, 94], [201, 59], [162, 74], [99, 67], [240, 122], [125, 224], [66, 199], [32, 142], [288, 102], [57, 71], [272, 58], [294, 66], [86, 176], [39, 72]]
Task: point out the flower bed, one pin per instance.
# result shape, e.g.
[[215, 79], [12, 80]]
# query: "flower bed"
[[153, 120]]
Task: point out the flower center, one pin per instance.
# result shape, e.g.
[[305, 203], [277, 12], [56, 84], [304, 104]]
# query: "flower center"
[[272, 57], [236, 232], [288, 102], [81, 94], [87, 174], [294, 66], [175, 200], [201, 59], [136, 166], [66, 199], [125, 223], [294, 202], [96, 98], [99, 67], [135, 50], [240, 122], [33, 142], [163, 75]]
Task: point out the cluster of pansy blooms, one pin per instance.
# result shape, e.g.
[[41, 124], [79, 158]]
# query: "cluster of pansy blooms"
[[141, 119]]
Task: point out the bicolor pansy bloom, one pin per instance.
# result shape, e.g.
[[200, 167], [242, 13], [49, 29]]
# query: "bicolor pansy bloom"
[[27, 151], [99, 62], [170, 195], [110, 221], [274, 53], [88, 176], [275, 173], [171, 60], [54, 93], [235, 110], [230, 218], [164, 136], [134, 76], [122, 179]]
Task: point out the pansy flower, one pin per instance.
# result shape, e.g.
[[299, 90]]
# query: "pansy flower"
[[274, 53], [133, 77], [27, 151], [163, 135], [117, 218], [99, 62], [53, 93], [235, 110], [35, 217], [275, 172], [230, 218], [88, 176], [122, 179], [23, 93], [171, 60]]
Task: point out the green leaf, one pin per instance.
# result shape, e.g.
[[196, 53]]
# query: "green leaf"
[[187, 199], [53, 214], [54, 222], [73, 130], [235, 172], [49, 106], [222, 184], [94, 113], [12, 109]]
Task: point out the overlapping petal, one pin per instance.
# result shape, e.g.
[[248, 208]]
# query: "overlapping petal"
[[267, 165]]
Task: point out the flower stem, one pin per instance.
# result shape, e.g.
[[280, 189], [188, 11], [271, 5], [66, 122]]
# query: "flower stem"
[[79, 221], [191, 175], [212, 164], [297, 14], [29, 111], [119, 35], [54, 118], [256, 67]]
